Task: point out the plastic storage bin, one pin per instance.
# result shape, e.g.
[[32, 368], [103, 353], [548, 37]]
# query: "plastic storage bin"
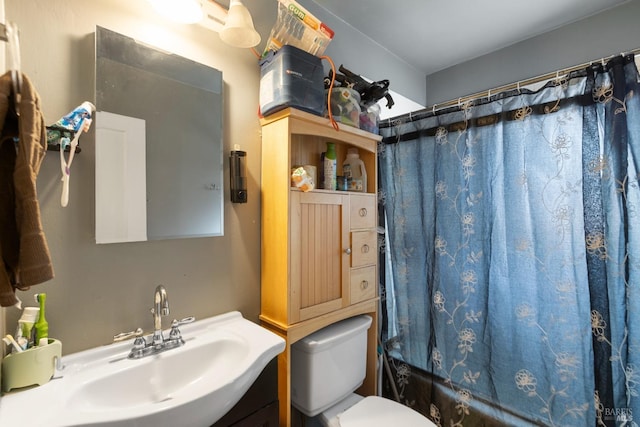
[[369, 118], [291, 77], [345, 106]]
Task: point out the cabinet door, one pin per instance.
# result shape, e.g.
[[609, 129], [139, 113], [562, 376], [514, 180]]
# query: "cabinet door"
[[319, 264], [265, 417]]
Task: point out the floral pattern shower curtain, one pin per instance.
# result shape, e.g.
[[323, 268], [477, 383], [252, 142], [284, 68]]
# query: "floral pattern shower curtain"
[[514, 245]]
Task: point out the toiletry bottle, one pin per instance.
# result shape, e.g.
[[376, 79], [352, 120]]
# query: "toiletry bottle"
[[73, 120], [330, 167], [22, 341], [353, 167], [42, 327], [26, 322], [320, 182]]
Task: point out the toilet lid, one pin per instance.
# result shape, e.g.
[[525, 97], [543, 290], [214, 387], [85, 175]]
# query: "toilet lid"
[[374, 411]]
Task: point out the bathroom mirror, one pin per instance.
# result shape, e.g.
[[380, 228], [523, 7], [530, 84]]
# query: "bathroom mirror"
[[159, 116]]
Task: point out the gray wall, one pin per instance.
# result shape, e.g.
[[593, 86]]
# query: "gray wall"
[[365, 57], [100, 290], [608, 33]]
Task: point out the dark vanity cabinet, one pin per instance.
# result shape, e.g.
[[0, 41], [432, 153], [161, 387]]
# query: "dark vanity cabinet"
[[259, 406]]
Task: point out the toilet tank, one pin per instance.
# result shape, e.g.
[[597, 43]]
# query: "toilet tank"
[[329, 364]]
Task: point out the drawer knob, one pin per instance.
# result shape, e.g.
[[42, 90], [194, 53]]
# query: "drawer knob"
[[364, 284], [363, 212], [365, 249], [347, 251]]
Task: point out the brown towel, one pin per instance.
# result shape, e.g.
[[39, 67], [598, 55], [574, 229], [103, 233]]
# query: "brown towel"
[[24, 254]]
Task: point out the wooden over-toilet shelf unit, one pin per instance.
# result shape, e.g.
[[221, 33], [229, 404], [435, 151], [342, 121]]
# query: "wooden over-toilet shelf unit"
[[319, 248]]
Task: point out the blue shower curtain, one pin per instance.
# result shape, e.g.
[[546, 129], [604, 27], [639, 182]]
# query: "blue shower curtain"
[[514, 254]]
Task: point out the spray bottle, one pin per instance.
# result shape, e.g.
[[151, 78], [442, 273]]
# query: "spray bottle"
[[330, 167]]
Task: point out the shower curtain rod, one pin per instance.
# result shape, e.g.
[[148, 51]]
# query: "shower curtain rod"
[[521, 84]]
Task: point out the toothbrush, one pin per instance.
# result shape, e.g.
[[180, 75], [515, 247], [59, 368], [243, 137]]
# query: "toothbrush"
[[8, 339], [66, 168], [78, 121]]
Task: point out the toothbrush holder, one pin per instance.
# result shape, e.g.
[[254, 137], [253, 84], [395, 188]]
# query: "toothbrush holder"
[[34, 366]]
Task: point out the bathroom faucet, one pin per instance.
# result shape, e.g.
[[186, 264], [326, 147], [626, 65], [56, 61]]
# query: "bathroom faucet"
[[157, 343], [160, 308]]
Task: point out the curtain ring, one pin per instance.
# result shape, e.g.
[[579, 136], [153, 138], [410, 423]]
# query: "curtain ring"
[[433, 110], [558, 81], [459, 102], [489, 95]]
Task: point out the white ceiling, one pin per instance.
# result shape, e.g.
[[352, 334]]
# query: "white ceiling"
[[433, 35]]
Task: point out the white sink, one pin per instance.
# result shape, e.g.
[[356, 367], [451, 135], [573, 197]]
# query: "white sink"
[[192, 385]]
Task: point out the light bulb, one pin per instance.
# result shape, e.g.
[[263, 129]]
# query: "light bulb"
[[182, 11]]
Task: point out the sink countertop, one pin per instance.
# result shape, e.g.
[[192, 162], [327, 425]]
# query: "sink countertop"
[[181, 386]]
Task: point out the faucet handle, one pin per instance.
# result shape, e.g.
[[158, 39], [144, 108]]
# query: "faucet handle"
[[181, 322], [175, 333], [126, 335]]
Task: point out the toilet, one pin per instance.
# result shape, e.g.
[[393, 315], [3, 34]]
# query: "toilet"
[[328, 366]]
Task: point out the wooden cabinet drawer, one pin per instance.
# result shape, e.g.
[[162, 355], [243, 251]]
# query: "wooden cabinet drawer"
[[363, 211], [363, 284], [364, 245]]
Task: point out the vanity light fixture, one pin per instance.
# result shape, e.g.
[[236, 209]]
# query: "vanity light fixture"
[[182, 11], [234, 25]]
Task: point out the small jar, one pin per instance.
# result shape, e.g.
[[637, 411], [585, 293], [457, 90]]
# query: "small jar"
[[343, 183]]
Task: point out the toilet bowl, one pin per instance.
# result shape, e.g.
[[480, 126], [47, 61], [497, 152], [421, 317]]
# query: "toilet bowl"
[[372, 411], [328, 366]]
